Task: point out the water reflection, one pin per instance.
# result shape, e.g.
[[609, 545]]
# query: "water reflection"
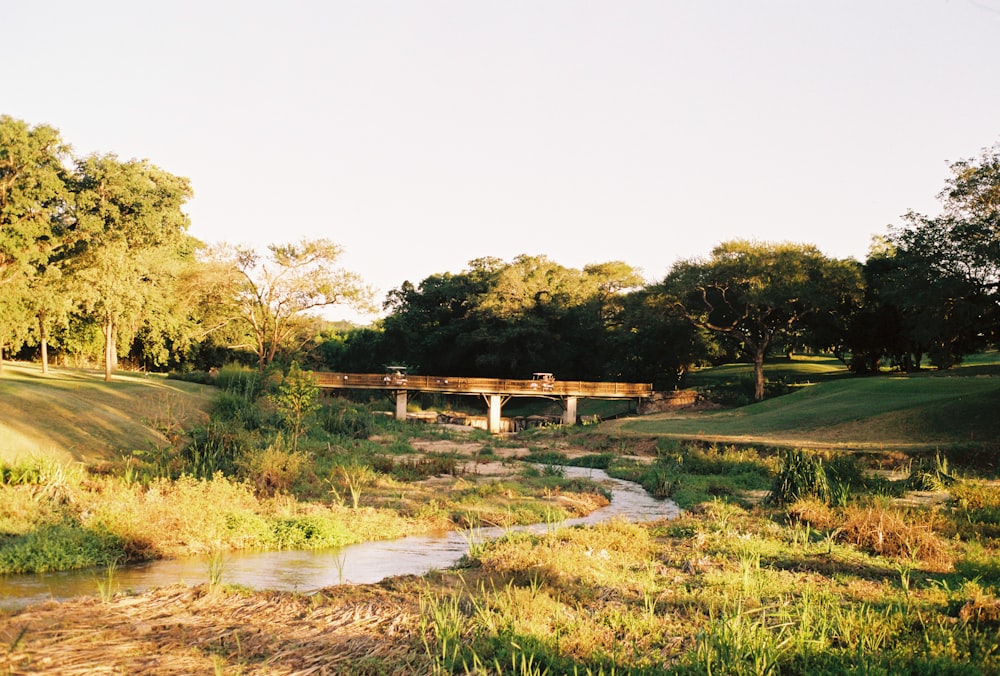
[[308, 571]]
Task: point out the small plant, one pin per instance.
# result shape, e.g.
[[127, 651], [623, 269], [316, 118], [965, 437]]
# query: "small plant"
[[106, 584], [340, 560], [353, 478], [297, 401], [800, 475], [216, 564]]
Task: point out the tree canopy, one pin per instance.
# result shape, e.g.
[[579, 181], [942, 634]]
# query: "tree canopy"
[[272, 295], [754, 293]]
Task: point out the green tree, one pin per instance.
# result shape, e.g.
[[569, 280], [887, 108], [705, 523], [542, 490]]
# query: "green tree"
[[754, 293], [297, 401], [272, 297], [652, 344], [941, 275], [33, 198], [131, 244], [508, 320]]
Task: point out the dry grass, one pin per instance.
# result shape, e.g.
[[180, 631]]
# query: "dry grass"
[[896, 533], [195, 630]]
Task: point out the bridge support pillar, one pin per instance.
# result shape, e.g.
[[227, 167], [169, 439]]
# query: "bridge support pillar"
[[493, 421], [401, 405], [569, 411]]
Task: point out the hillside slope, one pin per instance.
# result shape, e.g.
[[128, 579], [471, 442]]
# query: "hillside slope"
[[73, 415], [919, 411]]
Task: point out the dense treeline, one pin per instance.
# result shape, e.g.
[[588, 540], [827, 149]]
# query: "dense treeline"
[[96, 264]]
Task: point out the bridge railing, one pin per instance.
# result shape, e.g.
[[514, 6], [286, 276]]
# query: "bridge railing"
[[463, 385]]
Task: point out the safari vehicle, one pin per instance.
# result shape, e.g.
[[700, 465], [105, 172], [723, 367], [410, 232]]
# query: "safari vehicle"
[[542, 381], [395, 375]]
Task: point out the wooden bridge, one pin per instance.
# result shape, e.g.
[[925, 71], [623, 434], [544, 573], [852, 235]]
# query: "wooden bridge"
[[495, 391]]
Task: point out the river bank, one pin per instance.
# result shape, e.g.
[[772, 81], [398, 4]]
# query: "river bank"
[[836, 582]]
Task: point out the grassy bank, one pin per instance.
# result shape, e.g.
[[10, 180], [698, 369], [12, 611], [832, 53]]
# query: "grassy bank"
[[829, 410], [863, 576], [72, 415]]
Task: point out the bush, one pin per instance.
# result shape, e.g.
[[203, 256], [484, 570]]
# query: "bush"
[[347, 419], [310, 532], [215, 447], [800, 475], [892, 532], [59, 547], [272, 470], [239, 380]]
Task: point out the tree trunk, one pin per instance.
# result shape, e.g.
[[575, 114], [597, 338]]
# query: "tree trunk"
[[43, 335], [758, 374], [109, 349]]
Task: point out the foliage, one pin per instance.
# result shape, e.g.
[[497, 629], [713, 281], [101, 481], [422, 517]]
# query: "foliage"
[[272, 470], [800, 474], [271, 297], [33, 204], [755, 294], [932, 284], [129, 248], [342, 417], [297, 401], [505, 319]]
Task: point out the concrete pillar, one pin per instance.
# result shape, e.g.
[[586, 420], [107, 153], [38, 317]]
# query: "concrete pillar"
[[401, 405], [493, 421], [569, 411]]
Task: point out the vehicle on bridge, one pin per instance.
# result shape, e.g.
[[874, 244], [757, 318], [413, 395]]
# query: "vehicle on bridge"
[[542, 381], [395, 375]]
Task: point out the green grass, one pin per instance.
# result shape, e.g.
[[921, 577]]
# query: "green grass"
[[73, 415], [801, 369], [924, 410]]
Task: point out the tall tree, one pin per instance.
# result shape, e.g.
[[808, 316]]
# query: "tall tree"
[[131, 240], [943, 272], [32, 202], [754, 292], [273, 296], [508, 319]]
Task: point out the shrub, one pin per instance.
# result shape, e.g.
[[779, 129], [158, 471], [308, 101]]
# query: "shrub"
[[347, 419], [215, 447], [237, 408], [297, 400], [272, 470], [800, 475], [59, 547], [310, 532], [239, 380], [888, 531]]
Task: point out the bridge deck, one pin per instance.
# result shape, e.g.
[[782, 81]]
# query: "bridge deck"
[[449, 385]]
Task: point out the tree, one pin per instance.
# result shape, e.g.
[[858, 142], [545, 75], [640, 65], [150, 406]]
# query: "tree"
[[131, 243], [508, 320], [649, 343], [941, 275], [297, 400], [754, 292], [32, 203], [272, 296]]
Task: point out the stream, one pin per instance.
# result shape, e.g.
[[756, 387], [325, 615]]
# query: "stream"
[[309, 571]]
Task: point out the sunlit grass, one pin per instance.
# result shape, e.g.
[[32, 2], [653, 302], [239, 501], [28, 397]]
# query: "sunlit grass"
[[915, 411]]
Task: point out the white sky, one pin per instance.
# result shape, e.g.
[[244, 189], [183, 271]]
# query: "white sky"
[[421, 135]]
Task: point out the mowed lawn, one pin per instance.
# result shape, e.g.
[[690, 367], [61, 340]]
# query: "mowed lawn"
[[73, 415], [924, 410]]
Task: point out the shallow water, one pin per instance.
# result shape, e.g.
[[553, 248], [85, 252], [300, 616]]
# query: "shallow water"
[[309, 571]]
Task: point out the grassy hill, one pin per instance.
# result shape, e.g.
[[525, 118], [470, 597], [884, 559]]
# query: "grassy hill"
[[72, 414], [832, 409]]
